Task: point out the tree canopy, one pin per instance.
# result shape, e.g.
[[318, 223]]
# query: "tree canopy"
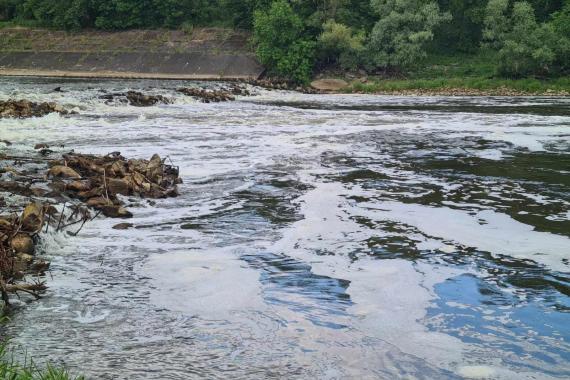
[[292, 37]]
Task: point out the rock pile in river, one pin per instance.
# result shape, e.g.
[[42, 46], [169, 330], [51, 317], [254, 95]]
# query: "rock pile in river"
[[25, 108], [18, 236], [138, 99], [99, 180], [135, 98], [31, 187], [208, 96]]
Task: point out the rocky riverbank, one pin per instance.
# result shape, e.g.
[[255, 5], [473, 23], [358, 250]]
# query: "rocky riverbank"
[[60, 192], [25, 108]]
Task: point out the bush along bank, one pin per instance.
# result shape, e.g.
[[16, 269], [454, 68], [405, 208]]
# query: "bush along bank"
[[295, 39]]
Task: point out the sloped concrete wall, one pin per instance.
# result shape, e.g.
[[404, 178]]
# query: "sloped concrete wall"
[[208, 53], [144, 65]]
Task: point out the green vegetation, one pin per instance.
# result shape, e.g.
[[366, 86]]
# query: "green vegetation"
[[293, 38], [461, 71], [399, 38], [278, 34], [10, 370]]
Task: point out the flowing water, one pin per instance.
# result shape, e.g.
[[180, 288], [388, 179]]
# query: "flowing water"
[[316, 236]]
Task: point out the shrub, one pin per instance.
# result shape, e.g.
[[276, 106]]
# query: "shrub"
[[63, 14], [528, 48], [187, 28], [496, 23], [281, 46], [399, 38], [339, 44], [8, 9]]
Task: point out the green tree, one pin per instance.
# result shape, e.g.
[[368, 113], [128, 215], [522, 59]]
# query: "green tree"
[[561, 21], [281, 44], [529, 48], [399, 38], [464, 31], [497, 23], [8, 9], [64, 14], [338, 43]]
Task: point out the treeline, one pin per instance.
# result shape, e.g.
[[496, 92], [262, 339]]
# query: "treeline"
[[293, 37]]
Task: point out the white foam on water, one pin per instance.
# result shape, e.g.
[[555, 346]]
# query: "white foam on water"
[[486, 230]]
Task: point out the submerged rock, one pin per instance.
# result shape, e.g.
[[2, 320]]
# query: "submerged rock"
[[138, 99], [26, 108], [123, 226], [135, 98]]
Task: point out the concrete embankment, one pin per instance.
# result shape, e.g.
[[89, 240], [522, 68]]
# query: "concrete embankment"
[[206, 53]]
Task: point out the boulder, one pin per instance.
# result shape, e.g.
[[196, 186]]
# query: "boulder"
[[329, 84], [118, 186], [22, 243], [139, 99], [79, 186], [115, 211], [122, 226], [63, 171], [32, 218], [25, 108], [99, 202]]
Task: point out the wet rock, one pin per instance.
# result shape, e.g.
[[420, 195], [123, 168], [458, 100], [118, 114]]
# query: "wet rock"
[[138, 99], [63, 171], [41, 146], [123, 226], [280, 84], [118, 186], [99, 202], [22, 243], [25, 258], [6, 142], [239, 90], [94, 192], [39, 266], [207, 96], [79, 186], [26, 108], [38, 192], [115, 211], [32, 218]]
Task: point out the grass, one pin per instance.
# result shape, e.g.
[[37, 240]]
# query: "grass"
[[10, 370], [19, 23], [521, 85], [471, 72]]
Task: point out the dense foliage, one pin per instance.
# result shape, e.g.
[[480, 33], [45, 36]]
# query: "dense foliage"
[[404, 28], [293, 37]]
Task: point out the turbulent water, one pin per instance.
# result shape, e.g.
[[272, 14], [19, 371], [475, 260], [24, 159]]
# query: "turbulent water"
[[316, 236]]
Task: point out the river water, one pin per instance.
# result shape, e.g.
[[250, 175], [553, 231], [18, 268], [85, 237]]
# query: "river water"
[[316, 236]]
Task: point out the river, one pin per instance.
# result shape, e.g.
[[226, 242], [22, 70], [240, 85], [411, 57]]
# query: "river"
[[316, 236]]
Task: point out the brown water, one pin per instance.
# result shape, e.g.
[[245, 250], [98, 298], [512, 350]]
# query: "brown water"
[[329, 237]]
